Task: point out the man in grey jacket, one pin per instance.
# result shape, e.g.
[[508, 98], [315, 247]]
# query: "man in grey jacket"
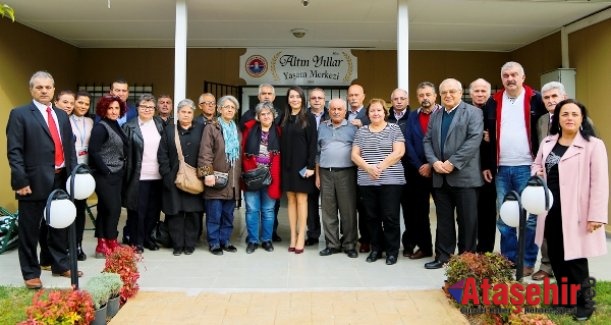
[[451, 146]]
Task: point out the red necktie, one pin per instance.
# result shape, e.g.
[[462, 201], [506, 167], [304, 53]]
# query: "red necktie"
[[59, 150]]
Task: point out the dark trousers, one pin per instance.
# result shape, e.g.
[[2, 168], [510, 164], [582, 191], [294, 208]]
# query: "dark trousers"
[[486, 218], [362, 219], [81, 206], [108, 189], [416, 209], [183, 229], [142, 221], [464, 201], [575, 271], [313, 221], [382, 206], [54, 244], [276, 210]]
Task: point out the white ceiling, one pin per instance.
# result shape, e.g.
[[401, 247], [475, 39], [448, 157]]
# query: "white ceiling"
[[470, 25]]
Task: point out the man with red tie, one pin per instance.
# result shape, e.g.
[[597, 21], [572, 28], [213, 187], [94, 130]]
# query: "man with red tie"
[[40, 149]]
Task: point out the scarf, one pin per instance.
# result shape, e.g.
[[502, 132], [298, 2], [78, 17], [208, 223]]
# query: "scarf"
[[230, 135], [254, 140]]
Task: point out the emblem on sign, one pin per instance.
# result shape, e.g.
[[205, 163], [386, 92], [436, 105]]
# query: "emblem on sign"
[[256, 66]]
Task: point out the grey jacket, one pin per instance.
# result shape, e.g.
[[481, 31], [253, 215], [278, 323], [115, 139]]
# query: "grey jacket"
[[461, 146]]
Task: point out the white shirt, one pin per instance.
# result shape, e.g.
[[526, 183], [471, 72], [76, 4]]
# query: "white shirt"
[[514, 148]]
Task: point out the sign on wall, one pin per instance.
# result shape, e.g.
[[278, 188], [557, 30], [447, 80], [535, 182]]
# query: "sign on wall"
[[319, 67]]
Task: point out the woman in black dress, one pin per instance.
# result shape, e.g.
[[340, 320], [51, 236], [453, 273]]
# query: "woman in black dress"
[[298, 147]]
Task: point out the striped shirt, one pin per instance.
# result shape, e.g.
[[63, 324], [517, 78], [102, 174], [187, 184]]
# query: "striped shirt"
[[375, 147]]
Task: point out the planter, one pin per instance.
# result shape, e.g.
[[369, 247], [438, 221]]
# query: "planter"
[[100, 316], [112, 308]]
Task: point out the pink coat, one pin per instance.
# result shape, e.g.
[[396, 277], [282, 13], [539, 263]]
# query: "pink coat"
[[584, 193]]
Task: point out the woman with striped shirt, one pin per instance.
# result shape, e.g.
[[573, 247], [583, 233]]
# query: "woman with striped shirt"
[[377, 151]]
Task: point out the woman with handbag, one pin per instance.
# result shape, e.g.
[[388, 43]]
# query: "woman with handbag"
[[219, 165], [182, 208], [142, 183], [261, 176]]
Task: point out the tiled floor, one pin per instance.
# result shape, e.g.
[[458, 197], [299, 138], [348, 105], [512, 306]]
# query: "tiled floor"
[[272, 287]]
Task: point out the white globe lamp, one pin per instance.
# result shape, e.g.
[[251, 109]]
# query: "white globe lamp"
[[510, 212], [536, 197], [60, 212]]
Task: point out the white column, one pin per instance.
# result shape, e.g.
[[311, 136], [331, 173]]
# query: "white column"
[[180, 53], [402, 45]]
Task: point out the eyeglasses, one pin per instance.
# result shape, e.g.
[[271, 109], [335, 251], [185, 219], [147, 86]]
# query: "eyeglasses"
[[451, 92], [316, 98], [227, 107], [147, 108], [206, 103]]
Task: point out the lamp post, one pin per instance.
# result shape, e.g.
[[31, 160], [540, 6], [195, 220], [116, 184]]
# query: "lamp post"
[[514, 215], [536, 199], [80, 186], [60, 213]]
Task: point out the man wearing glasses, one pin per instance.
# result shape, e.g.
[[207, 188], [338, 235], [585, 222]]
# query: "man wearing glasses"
[[207, 104], [317, 108]]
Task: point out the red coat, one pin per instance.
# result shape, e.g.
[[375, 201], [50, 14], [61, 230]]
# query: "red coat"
[[584, 193], [249, 162]]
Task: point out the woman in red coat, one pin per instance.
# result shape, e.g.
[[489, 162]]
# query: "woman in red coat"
[[261, 148], [574, 164]]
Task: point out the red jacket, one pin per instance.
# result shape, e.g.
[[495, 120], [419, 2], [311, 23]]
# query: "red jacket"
[[249, 162]]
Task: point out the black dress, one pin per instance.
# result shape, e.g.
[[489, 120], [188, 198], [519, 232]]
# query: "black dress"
[[298, 148]]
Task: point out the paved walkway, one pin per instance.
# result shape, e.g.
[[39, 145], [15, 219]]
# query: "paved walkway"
[[316, 307]]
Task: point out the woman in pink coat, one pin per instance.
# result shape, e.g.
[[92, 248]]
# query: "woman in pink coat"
[[574, 163]]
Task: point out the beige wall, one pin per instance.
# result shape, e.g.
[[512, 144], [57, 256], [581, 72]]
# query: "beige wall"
[[18, 60], [377, 70]]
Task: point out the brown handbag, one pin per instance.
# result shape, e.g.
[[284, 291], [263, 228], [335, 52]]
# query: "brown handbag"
[[186, 177]]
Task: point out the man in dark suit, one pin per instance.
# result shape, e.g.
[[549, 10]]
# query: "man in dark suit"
[[40, 149], [418, 173], [451, 146], [479, 91], [357, 116], [317, 108]]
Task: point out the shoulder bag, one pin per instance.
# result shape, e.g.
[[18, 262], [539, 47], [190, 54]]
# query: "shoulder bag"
[[186, 177], [256, 179]]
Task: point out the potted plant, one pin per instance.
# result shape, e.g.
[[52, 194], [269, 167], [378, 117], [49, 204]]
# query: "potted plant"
[[100, 293], [123, 261], [60, 307], [114, 283]]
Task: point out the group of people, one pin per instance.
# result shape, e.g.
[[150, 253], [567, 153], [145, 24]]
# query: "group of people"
[[363, 163]]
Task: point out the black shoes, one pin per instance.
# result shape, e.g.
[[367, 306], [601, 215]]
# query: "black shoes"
[[151, 245], [216, 250], [276, 238], [373, 256], [267, 246], [177, 251], [80, 255], [311, 242], [436, 264], [391, 259], [229, 248], [329, 251], [352, 253], [189, 250], [251, 248]]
